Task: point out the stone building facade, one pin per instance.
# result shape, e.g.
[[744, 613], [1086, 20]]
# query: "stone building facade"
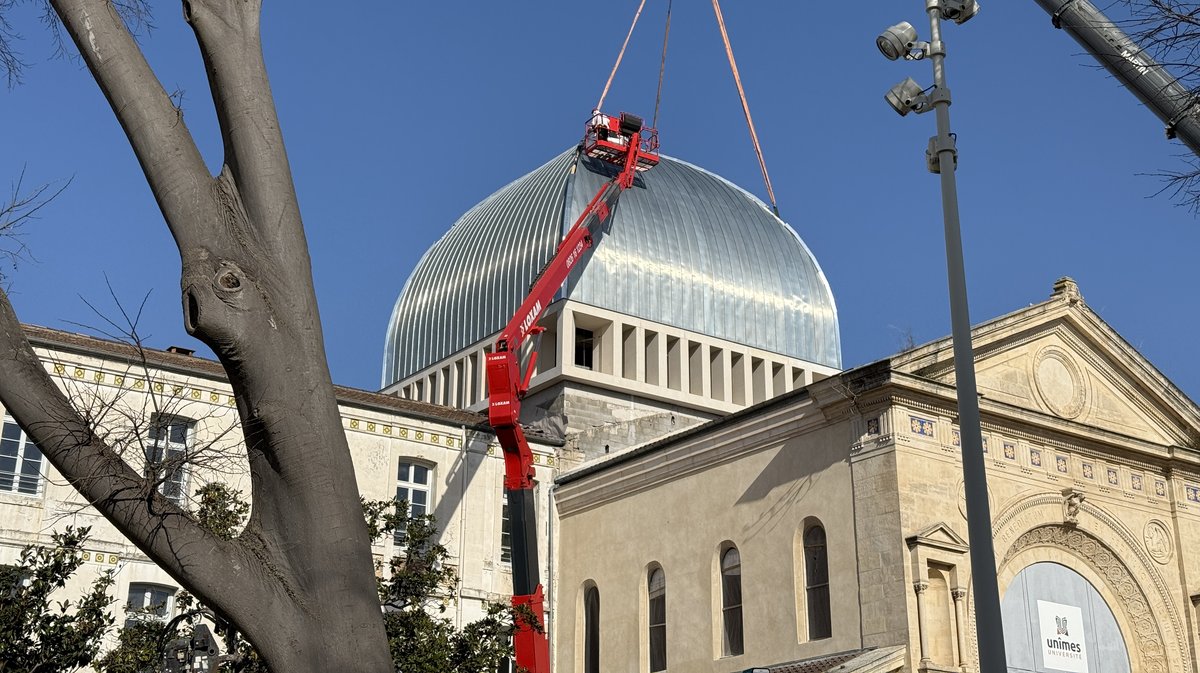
[[829, 524], [150, 401]]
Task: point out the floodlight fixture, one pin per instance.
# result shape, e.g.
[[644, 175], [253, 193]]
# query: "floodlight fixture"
[[959, 11], [907, 96], [897, 41]]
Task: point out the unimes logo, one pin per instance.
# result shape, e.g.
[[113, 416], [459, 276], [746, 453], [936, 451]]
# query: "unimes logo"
[[1062, 626]]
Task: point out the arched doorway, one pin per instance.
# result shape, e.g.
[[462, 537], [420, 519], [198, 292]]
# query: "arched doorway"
[[1055, 620]]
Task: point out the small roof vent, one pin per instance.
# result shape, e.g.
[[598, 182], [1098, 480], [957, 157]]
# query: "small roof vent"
[[180, 350]]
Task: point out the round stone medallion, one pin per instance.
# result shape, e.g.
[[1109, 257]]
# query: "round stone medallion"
[[1158, 541], [1059, 382]]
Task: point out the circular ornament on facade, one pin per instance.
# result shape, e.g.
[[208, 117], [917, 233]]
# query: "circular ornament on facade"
[[1158, 541], [962, 498], [1059, 382]]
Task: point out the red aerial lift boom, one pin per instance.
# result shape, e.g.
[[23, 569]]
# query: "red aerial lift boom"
[[621, 141]]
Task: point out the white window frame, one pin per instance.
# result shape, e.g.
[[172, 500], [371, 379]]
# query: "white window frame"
[[146, 590], [25, 450], [506, 549], [407, 485], [165, 448]]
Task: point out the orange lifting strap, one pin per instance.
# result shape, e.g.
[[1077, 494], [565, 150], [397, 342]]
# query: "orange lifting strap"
[[737, 79], [620, 55]]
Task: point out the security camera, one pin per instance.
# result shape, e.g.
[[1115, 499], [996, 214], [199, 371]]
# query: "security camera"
[[959, 11], [907, 96], [897, 41]]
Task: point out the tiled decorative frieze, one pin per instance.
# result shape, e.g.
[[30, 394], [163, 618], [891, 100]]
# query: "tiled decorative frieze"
[[124, 381], [1061, 464], [922, 426], [409, 433], [873, 427], [99, 557]]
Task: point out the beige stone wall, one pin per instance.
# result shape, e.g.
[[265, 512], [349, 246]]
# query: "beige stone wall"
[[754, 485], [467, 476]]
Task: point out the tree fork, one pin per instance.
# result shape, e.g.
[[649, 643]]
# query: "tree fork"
[[303, 589]]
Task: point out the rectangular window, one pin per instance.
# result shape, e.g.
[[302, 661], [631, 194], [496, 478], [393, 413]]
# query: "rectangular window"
[[505, 532], [20, 461], [412, 486], [149, 601], [166, 456], [584, 347]]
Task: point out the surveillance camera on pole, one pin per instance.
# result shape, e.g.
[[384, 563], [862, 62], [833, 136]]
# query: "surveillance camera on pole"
[[899, 41], [907, 96], [959, 11]]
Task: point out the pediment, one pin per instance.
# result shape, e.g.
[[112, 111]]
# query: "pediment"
[[938, 535], [1059, 358]]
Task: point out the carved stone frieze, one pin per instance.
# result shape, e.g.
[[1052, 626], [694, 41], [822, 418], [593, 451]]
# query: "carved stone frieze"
[[1158, 541], [1150, 647], [1112, 551]]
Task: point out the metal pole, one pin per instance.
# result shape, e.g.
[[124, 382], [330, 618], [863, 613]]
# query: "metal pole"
[[989, 628]]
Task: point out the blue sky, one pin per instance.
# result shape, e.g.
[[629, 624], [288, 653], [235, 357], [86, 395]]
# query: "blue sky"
[[400, 116]]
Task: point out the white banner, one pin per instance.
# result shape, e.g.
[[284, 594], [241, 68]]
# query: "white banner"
[[1063, 646]]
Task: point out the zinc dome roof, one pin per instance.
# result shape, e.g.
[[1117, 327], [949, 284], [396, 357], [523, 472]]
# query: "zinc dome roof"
[[685, 247]]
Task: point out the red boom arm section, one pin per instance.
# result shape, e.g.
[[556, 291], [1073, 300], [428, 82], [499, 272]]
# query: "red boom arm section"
[[623, 142]]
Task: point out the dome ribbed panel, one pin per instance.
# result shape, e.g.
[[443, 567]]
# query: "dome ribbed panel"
[[690, 249], [686, 248], [468, 284]]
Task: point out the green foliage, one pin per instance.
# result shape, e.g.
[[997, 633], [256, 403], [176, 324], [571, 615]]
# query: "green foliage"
[[51, 636], [416, 588], [139, 648], [222, 510]]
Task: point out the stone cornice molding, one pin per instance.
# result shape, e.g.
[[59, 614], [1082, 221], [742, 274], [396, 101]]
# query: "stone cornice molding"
[[1079, 326], [915, 393]]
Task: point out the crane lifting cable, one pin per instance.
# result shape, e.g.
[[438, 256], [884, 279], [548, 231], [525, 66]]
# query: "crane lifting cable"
[[620, 55], [662, 66], [737, 79]]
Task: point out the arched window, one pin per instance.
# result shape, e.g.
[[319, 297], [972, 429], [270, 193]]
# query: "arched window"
[[657, 595], [731, 602], [816, 571], [591, 630]]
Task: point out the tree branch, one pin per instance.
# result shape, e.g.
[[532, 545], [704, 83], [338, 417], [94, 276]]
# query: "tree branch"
[[162, 530], [230, 41], [161, 141]]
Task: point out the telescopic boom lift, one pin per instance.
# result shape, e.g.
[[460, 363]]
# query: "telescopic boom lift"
[[617, 140]]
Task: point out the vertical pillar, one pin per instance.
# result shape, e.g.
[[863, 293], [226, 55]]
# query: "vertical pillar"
[[922, 632], [960, 624]]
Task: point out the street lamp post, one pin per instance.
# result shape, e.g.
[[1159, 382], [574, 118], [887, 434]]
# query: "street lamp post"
[[942, 158]]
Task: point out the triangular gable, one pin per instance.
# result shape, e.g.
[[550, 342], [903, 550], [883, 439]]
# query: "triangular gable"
[[1060, 358], [940, 536]]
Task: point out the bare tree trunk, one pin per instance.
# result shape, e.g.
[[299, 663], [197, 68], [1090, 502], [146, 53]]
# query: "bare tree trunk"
[[299, 580]]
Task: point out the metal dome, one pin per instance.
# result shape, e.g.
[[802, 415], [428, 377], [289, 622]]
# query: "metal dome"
[[686, 248]]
